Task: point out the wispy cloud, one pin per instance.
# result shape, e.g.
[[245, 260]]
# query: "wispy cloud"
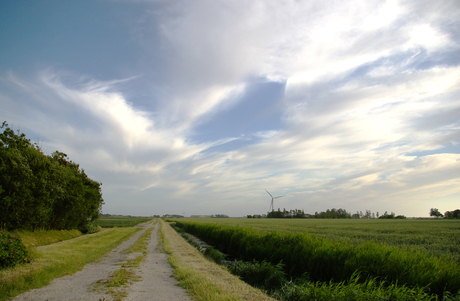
[[368, 87]]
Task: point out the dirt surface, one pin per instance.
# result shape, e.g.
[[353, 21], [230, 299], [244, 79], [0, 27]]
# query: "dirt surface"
[[155, 277]]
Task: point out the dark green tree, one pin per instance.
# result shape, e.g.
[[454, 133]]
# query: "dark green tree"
[[43, 192], [452, 214], [435, 212], [333, 213]]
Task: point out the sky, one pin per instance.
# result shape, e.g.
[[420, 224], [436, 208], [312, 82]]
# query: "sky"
[[196, 107]]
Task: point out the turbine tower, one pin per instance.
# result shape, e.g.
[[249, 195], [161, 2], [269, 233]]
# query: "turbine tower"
[[271, 204]]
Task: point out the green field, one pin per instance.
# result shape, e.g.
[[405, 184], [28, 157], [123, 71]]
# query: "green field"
[[438, 237], [322, 259], [121, 221]]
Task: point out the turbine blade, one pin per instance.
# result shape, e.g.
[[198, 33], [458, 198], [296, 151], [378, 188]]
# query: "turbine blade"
[[278, 196], [268, 192]]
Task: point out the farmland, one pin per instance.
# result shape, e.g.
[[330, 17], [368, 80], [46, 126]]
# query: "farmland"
[[332, 257], [120, 221], [438, 237]]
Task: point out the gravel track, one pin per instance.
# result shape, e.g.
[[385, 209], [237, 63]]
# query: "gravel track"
[[156, 281]]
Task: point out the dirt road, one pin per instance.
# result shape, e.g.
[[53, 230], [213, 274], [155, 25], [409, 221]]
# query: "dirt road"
[[155, 277]]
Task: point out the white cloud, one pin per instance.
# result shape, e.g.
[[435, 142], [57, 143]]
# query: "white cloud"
[[365, 91]]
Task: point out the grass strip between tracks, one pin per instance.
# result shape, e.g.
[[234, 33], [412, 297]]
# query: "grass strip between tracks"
[[58, 260], [203, 279], [122, 278]]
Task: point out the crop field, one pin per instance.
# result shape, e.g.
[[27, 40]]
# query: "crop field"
[[325, 258], [437, 237], [121, 221]]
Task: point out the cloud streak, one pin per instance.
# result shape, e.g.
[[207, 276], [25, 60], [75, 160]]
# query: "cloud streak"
[[370, 104]]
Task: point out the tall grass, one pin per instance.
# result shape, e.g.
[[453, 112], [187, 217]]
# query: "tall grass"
[[326, 260], [353, 290]]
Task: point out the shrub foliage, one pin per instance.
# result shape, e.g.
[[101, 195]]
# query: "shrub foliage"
[[263, 274], [43, 192], [12, 251]]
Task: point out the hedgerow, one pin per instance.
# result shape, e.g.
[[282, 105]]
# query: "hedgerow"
[[43, 192]]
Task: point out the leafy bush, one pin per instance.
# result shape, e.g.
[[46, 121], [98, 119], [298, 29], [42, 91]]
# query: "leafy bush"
[[214, 254], [263, 274], [43, 192], [12, 251], [89, 228]]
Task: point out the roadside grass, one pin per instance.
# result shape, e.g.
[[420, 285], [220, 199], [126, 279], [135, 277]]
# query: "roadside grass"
[[120, 279], [203, 279], [43, 237], [57, 260], [120, 221]]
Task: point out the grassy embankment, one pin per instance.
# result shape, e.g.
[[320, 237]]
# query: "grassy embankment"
[[57, 260], [324, 259], [43, 237], [203, 279]]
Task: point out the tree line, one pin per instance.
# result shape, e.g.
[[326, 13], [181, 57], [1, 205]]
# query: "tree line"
[[39, 191], [329, 213], [434, 212], [368, 214], [286, 214]]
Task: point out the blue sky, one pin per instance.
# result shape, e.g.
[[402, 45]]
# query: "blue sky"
[[197, 107]]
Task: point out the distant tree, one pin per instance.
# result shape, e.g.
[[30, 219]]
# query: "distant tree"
[[293, 213], [387, 216], [333, 213], [255, 216], [452, 214], [275, 214], [355, 215], [368, 214], [435, 212], [220, 216]]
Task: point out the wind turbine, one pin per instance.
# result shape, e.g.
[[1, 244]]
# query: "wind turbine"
[[276, 197]]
